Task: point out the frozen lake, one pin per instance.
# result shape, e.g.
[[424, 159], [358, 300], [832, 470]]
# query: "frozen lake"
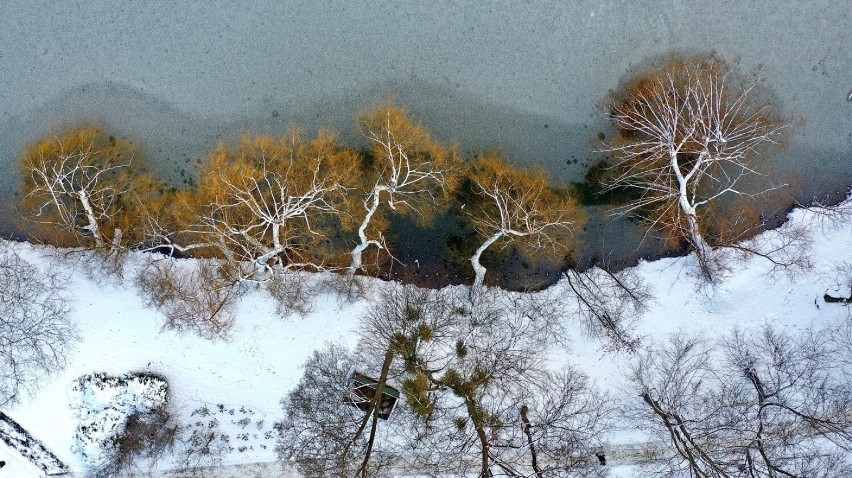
[[527, 77]]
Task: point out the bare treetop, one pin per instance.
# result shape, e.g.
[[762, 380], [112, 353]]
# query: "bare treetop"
[[758, 403], [36, 330]]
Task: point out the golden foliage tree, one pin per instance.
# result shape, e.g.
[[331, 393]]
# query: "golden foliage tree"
[[268, 203], [408, 170], [79, 189], [518, 206], [692, 137]]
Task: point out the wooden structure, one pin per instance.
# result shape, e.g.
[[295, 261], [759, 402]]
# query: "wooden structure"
[[362, 389]]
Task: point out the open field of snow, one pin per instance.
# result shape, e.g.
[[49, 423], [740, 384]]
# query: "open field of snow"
[[236, 385]]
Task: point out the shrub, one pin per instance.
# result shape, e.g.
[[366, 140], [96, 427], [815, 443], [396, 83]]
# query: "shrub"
[[196, 298], [123, 420]]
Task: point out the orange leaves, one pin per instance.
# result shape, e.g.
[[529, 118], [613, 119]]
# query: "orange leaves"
[[691, 135], [272, 200], [405, 159], [79, 183], [293, 200], [408, 172], [522, 205], [393, 133]]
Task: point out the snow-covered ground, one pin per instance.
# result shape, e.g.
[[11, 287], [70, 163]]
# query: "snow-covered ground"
[[236, 385]]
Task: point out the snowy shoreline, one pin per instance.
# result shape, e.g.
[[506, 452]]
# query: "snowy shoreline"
[[524, 78], [262, 360]]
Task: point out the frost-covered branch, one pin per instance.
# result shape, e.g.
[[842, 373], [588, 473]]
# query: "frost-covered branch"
[[79, 182], [269, 202], [518, 206]]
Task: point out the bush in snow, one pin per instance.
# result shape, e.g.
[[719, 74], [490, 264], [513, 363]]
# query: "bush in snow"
[[203, 443], [122, 419], [196, 297]]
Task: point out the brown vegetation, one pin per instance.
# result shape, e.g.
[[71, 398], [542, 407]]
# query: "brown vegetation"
[[269, 203], [79, 189], [693, 138], [518, 206], [194, 297], [407, 169]]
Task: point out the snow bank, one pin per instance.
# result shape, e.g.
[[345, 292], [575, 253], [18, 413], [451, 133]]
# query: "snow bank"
[[31, 449]]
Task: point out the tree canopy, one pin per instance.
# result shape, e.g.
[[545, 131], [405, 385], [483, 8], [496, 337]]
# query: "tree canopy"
[[691, 146]]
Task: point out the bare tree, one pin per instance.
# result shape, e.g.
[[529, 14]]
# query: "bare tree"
[[79, 184], [475, 397], [828, 217], [674, 382], [144, 440], [759, 404], [326, 436], [322, 434], [472, 372], [125, 422], [35, 325], [691, 138], [841, 338], [519, 207], [408, 170], [787, 249], [555, 427], [497, 353], [261, 209], [402, 318]]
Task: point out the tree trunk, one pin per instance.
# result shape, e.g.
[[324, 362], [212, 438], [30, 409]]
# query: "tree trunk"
[[93, 221], [525, 419], [699, 245], [362, 235], [478, 269], [480, 434], [702, 249], [373, 413], [686, 447]]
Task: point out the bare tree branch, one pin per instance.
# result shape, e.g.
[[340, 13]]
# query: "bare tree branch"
[[35, 325], [518, 206], [410, 172], [692, 135]]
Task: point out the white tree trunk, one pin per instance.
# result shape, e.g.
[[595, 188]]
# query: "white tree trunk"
[[93, 221], [702, 249], [478, 269], [362, 235]]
